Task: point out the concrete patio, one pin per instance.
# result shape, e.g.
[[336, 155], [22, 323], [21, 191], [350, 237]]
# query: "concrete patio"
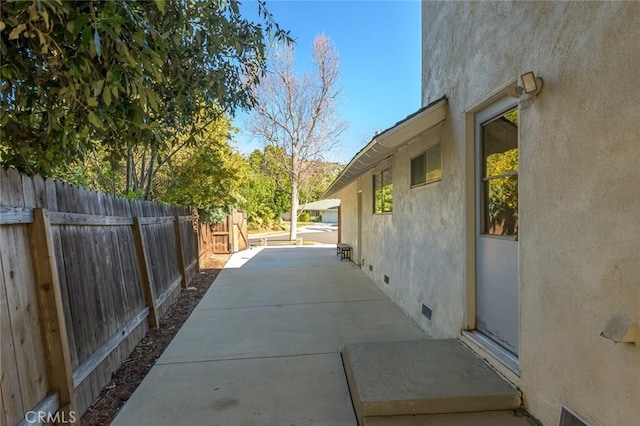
[[264, 345]]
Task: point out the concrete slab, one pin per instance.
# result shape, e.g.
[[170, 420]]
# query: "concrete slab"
[[337, 273], [234, 291], [285, 330], [487, 418], [300, 390], [283, 258], [263, 347], [423, 377]]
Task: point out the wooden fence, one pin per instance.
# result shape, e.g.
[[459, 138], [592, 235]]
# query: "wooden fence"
[[84, 274], [228, 236]]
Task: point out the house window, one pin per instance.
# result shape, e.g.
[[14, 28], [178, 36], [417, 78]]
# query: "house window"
[[427, 167], [383, 192]]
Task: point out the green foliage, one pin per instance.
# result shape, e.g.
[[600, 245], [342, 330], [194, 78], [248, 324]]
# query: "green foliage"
[[205, 175], [318, 179], [501, 189], [265, 188], [304, 217], [85, 76], [383, 192], [261, 196], [502, 193]]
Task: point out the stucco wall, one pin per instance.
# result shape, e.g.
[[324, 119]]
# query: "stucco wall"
[[579, 258], [418, 245], [349, 219], [579, 183]]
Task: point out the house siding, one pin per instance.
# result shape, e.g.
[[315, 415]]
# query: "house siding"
[[579, 196]]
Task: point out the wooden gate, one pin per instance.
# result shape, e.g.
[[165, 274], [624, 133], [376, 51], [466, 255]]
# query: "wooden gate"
[[228, 236], [238, 226]]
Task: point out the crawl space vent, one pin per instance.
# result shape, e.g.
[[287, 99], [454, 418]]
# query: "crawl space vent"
[[427, 311]]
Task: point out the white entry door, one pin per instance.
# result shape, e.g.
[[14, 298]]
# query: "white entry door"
[[497, 313]]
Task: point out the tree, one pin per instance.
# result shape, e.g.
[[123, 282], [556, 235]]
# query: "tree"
[[321, 175], [296, 114], [260, 194], [118, 75], [205, 176]]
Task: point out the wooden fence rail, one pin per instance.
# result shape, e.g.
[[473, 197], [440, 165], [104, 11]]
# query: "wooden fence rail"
[[84, 274]]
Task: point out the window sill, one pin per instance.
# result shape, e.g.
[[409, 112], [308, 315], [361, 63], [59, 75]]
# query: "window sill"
[[419, 185]]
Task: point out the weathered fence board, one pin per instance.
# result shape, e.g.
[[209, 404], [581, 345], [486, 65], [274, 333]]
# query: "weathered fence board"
[[17, 265], [11, 395], [100, 283], [51, 310]]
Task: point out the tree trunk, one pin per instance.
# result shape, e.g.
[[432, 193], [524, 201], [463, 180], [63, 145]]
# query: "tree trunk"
[[129, 172], [150, 173], [294, 209]]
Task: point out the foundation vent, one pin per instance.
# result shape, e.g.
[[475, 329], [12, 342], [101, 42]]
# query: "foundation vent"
[[386, 279], [427, 311], [569, 417]]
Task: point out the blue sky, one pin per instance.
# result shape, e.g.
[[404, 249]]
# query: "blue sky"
[[379, 46]]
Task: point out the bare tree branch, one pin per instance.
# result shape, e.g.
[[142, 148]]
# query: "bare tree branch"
[[297, 114]]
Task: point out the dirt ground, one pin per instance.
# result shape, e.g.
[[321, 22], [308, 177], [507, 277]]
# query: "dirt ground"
[[130, 374]]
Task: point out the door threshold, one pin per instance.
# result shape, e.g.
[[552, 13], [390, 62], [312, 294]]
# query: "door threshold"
[[505, 357]]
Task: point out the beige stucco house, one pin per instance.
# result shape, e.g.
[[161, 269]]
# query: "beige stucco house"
[[511, 220]]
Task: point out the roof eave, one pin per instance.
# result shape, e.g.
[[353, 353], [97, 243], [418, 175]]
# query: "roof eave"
[[386, 143]]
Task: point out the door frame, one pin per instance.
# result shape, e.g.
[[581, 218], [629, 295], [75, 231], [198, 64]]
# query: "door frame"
[[469, 324]]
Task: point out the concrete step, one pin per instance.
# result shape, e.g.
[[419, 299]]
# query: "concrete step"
[[485, 418], [423, 377]]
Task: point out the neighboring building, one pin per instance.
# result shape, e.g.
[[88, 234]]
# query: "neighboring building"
[[325, 210], [515, 222]]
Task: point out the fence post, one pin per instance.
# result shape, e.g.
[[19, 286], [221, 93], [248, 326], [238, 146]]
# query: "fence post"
[[232, 248], [52, 322], [197, 231], [181, 265], [145, 273]]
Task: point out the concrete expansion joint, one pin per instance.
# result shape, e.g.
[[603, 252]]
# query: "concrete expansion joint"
[[280, 305], [197, 361]]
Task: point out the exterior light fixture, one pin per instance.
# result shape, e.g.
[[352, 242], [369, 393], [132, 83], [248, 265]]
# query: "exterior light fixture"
[[532, 86]]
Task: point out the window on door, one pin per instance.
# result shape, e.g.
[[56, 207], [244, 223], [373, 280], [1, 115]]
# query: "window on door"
[[500, 176], [383, 192]]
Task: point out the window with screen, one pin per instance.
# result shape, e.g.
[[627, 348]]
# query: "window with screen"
[[427, 167]]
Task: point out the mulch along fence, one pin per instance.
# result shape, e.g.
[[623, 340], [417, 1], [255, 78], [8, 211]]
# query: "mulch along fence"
[[84, 274]]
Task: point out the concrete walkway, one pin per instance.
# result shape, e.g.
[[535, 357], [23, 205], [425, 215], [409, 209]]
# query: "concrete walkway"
[[263, 346]]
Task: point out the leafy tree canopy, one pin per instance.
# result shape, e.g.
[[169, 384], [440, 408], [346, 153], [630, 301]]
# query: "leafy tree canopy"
[[77, 75], [205, 176]]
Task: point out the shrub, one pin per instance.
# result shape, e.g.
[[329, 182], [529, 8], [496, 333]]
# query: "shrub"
[[304, 217]]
